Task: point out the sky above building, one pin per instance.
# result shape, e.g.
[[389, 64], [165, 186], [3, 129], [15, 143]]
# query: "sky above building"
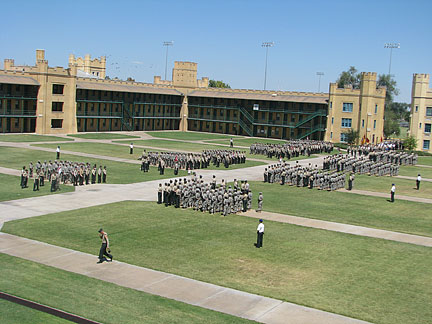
[[225, 38]]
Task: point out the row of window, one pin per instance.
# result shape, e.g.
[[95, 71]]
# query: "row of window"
[[347, 123], [428, 111], [348, 107], [427, 127]]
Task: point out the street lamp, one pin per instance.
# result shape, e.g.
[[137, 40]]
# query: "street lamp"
[[266, 45], [320, 74], [391, 46], [167, 44]]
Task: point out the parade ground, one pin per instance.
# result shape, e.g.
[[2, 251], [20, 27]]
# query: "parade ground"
[[342, 256]]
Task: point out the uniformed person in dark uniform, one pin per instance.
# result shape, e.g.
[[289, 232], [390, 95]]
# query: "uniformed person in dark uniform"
[[104, 250], [104, 174]]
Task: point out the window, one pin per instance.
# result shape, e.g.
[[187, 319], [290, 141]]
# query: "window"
[[347, 107], [56, 123], [331, 135], [17, 104], [292, 118], [420, 125], [332, 120], [331, 104], [416, 108], [57, 106], [427, 128], [429, 111], [58, 89], [344, 137], [376, 109], [362, 123], [16, 122], [374, 124], [426, 144], [346, 122]]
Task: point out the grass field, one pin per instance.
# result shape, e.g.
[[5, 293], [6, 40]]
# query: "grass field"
[[12, 313], [10, 188], [103, 136], [191, 136], [403, 186], [118, 172], [425, 160], [402, 216], [247, 142], [123, 152], [370, 279], [91, 298], [32, 138], [413, 171]]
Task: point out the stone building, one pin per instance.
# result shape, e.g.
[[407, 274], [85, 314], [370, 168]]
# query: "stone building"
[[421, 112], [47, 100]]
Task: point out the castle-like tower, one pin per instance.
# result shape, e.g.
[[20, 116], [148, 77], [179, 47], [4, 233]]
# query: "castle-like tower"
[[95, 67], [421, 111]]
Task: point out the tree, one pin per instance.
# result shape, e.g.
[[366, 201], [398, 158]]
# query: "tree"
[[387, 81], [218, 84], [410, 143], [352, 136], [350, 77], [130, 79]]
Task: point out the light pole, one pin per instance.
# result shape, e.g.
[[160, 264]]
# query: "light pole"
[[391, 46], [266, 45], [167, 44], [320, 74]]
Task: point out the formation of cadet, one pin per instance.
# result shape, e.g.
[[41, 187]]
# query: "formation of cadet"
[[304, 176], [190, 161], [206, 197], [66, 172], [292, 148], [393, 145], [383, 163]]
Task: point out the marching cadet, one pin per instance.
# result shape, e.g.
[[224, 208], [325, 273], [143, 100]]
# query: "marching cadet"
[[350, 181], [87, 175], [23, 178], [161, 167], [214, 182], [260, 202], [99, 174], [160, 191], [30, 170], [93, 175], [75, 177], [53, 182], [245, 202], [104, 174], [41, 178], [176, 168], [36, 182], [58, 153]]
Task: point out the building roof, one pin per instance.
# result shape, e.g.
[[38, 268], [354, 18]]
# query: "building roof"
[[17, 79], [272, 96], [136, 88], [83, 74]]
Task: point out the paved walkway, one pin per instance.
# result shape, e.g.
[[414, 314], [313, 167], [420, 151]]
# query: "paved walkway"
[[413, 178], [194, 292], [342, 228], [424, 166], [387, 195], [10, 171]]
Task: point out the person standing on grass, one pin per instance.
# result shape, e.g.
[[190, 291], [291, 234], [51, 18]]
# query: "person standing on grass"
[[131, 148], [260, 202], [418, 181], [105, 249], [231, 142], [392, 192], [260, 234], [58, 152]]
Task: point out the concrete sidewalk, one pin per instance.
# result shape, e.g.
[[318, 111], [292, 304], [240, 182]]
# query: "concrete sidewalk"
[[10, 171], [342, 228], [218, 298]]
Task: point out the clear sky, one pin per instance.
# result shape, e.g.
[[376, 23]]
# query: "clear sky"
[[224, 38]]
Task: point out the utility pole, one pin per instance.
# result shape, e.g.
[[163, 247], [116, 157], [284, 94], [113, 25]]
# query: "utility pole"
[[320, 74], [266, 45], [167, 44]]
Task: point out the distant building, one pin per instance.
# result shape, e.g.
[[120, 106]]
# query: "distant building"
[[48, 100], [421, 112]]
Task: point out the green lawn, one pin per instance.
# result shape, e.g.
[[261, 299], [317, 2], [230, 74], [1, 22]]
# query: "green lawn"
[[123, 151], [12, 313], [190, 136], [425, 160], [413, 171], [341, 207], [103, 136], [90, 298], [32, 138], [10, 188], [247, 142], [403, 186], [118, 172], [371, 279]]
